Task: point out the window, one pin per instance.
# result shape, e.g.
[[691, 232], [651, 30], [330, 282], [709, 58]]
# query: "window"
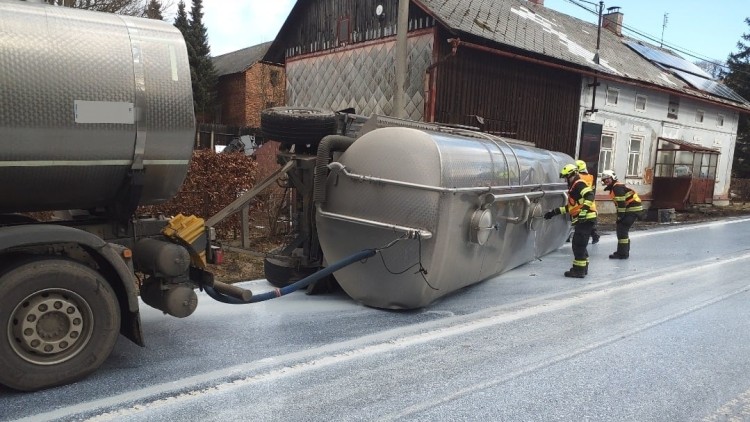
[[674, 107], [343, 31], [699, 116], [720, 120], [274, 77], [634, 156], [640, 102], [606, 152], [612, 96]]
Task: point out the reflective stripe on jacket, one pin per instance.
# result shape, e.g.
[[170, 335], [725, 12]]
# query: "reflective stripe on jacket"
[[625, 198], [581, 205]]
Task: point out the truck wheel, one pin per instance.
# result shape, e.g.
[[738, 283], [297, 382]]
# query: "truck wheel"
[[297, 125], [60, 321]]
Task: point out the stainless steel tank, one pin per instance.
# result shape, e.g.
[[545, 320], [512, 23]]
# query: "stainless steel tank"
[[447, 209], [85, 99]]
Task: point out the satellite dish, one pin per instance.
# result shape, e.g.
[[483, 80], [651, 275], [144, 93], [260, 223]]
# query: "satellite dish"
[[379, 12]]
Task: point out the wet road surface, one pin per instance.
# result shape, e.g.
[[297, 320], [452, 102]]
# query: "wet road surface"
[[662, 336]]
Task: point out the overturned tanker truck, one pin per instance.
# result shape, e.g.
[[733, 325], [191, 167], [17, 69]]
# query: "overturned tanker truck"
[[442, 206], [96, 116]]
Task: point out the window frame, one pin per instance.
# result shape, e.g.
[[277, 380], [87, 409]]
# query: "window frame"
[[645, 102], [633, 169], [700, 114], [606, 155], [674, 100], [616, 96], [720, 120], [344, 31]]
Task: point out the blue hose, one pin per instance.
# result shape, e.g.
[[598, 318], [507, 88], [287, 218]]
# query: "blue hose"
[[363, 254]]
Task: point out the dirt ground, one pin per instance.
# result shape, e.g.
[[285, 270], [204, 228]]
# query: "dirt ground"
[[242, 266]]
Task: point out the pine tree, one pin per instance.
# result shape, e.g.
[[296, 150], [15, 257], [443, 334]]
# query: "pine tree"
[[181, 19], [738, 78], [153, 10], [201, 67]]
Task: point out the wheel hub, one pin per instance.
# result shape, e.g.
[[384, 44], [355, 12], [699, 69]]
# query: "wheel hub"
[[49, 327]]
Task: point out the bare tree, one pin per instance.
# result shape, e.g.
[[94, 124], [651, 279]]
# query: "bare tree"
[[712, 68], [142, 8]]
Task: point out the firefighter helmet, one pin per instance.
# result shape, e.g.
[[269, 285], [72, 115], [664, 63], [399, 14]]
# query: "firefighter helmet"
[[609, 174], [581, 166], [568, 170]]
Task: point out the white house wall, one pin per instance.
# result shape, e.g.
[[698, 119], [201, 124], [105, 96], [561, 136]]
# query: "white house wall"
[[624, 121]]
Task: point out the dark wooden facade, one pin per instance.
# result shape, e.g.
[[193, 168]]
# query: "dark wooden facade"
[[328, 24], [512, 97]]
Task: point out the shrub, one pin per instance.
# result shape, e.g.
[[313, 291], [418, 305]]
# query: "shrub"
[[215, 180]]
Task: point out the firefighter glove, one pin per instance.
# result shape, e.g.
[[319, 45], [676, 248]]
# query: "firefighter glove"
[[551, 213]]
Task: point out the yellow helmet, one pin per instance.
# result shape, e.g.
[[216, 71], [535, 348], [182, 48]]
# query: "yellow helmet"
[[581, 166], [568, 170]]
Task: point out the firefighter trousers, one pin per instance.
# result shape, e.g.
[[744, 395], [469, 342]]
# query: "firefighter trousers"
[[581, 235], [625, 221]]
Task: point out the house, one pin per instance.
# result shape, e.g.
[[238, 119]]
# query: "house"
[[246, 85], [521, 70]]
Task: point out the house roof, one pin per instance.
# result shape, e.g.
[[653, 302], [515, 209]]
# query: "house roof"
[[537, 29], [690, 146], [240, 60], [550, 36]]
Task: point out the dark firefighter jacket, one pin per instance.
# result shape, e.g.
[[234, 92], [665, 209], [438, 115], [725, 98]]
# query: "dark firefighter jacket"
[[625, 199], [581, 205]]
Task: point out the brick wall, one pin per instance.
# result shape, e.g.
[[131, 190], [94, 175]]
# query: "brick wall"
[[242, 96], [265, 87], [231, 97]]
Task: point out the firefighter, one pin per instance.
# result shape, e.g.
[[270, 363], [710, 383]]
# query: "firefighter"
[[583, 172], [582, 210], [629, 209]]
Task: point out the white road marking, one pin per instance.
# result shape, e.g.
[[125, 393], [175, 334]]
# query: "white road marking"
[[376, 344]]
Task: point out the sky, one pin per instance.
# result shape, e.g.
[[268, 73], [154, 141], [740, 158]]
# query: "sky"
[[707, 29]]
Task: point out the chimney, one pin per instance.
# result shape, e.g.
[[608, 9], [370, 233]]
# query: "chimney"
[[537, 2], [612, 20]]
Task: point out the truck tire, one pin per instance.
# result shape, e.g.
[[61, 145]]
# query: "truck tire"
[[281, 273], [59, 320], [300, 126]]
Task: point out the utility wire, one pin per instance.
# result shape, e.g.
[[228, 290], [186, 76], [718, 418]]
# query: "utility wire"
[[654, 39]]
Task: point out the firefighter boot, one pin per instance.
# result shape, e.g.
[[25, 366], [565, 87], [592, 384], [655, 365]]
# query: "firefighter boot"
[[578, 270], [623, 250]]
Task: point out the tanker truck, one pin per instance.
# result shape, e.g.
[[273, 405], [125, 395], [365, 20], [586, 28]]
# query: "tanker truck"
[[96, 118], [443, 206]]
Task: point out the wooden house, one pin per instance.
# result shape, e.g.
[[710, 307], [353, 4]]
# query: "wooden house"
[[521, 70]]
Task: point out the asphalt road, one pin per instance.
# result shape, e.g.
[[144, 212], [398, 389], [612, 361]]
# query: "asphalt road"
[[662, 336]]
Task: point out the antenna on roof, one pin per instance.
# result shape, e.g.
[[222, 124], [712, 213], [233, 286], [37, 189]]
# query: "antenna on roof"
[[663, 26]]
